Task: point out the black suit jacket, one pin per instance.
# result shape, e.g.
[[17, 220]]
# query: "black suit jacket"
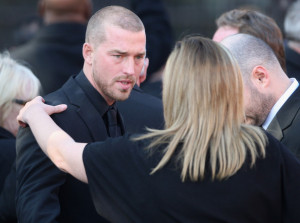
[[54, 53], [46, 194], [286, 124]]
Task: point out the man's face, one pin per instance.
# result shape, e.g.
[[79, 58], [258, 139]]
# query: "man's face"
[[223, 32], [257, 105], [118, 62]]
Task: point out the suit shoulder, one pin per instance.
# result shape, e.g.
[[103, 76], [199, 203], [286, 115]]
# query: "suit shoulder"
[[56, 97], [64, 93]]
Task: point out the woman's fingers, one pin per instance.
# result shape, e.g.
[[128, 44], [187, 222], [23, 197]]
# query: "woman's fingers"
[[36, 106]]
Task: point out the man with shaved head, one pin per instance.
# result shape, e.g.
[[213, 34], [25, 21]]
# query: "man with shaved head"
[[114, 57], [272, 99]]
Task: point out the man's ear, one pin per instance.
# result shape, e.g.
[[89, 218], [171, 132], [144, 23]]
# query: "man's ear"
[[87, 52], [143, 74], [260, 76]]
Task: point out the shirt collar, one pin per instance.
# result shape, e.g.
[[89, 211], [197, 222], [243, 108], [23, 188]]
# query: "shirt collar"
[[281, 102]]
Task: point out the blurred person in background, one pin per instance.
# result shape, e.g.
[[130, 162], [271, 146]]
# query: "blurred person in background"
[[54, 53], [26, 30]]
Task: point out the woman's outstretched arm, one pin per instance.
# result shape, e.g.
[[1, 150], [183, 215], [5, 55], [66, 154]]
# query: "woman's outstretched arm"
[[60, 147]]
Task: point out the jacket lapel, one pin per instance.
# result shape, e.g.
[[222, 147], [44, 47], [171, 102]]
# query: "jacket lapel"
[[274, 129], [86, 110], [285, 115]]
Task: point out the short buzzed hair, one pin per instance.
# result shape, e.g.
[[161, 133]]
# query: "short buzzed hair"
[[250, 51], [112, 15]]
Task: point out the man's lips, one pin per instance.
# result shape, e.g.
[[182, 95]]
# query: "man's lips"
[[125, 84]]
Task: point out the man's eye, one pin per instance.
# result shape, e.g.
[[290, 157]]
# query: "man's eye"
[[117, 56], [139, 57]]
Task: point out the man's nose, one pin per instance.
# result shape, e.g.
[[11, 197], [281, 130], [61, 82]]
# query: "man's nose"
[[129, 66]]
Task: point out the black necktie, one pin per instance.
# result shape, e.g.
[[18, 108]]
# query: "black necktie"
[[112, 121]]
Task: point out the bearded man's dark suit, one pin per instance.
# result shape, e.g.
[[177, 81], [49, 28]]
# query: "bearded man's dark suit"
[[285, 126], [42, 189]]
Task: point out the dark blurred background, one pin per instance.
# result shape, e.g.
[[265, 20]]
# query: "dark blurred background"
[[186, 16]]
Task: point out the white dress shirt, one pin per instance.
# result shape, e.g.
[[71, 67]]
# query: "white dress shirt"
[[281, 102]]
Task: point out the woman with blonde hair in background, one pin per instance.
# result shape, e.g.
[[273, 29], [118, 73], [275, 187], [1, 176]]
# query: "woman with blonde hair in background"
[[17, 86], [204, 166]]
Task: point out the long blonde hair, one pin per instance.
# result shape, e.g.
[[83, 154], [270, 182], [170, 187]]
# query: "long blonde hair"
[[203, 110]]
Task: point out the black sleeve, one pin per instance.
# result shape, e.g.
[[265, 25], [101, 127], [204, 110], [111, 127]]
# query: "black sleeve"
[[38, 180], [118, 178], [158, 31]]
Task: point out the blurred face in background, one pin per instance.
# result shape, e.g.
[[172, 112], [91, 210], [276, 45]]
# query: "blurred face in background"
[[223, 32]]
